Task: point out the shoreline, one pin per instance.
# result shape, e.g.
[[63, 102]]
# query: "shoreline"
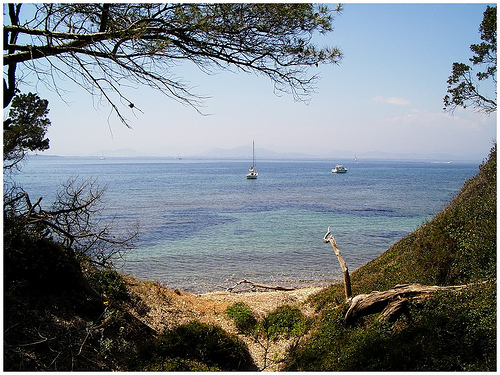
[[237, 286], [246, 287]]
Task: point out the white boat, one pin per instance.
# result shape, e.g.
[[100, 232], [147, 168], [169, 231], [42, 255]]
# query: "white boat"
[[252, 173], [339, 168]]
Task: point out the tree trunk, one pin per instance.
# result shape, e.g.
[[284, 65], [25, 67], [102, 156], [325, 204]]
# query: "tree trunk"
[[391, 302], [345, 271]]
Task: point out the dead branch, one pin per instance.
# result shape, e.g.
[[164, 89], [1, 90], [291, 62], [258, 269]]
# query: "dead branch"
[[255, 285], [390, 302], [345, 271]]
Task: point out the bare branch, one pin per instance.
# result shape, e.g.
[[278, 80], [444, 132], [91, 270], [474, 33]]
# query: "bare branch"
[[73, 222]]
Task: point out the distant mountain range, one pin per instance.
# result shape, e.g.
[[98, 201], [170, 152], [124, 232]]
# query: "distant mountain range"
[[245, 153]]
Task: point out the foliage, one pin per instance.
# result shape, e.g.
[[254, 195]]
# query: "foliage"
[[286, 321], [194, 346], [25, 128], [109, 283], [242, 316], [54, 320], [448, 331], [462, 87], [68, 332], [99, 46], [54, 317], [178, 364], [33, 264]]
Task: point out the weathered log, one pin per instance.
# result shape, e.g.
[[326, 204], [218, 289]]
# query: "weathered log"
[[366, 304], [394, 310], [345, 271], [255, 285]]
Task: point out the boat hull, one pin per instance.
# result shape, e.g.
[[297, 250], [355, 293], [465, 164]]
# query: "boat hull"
[[339, 169]]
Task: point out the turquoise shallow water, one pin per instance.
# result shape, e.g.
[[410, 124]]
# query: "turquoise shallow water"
[[203, 226]]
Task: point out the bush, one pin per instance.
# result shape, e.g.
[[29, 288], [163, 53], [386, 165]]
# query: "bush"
[[110, 283], [178, 364], [34, 264], [242, 316], [286, 321], [449, 331], [194, 345]]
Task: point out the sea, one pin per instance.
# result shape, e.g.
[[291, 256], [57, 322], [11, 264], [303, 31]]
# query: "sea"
[[203, 226]]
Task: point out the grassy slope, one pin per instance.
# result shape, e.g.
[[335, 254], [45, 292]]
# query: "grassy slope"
[[450, 331]]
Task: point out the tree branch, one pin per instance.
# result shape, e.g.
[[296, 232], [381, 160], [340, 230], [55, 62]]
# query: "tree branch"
[[141, 43]]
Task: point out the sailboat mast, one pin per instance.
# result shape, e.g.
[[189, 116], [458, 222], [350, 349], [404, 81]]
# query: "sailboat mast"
[[253, 153]]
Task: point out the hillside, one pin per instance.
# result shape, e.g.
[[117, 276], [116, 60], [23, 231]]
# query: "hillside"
[[61, 315], [453, 331]]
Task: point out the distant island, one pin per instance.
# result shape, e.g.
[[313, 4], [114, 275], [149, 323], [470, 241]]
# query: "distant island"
[[245, 153]]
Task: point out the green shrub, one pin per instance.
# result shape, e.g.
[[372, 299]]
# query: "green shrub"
[[37, 265], [242, 316], [195, 344], [110, 283], [450, 331], [286, 321], [178, 364]]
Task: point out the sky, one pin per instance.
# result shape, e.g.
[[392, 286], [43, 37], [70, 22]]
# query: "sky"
[[386, 96]]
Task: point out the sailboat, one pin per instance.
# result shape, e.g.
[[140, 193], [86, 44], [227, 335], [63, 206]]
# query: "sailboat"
[[252, 173]]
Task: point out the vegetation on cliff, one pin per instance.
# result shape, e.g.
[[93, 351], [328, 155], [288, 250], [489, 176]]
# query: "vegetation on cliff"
[[446, 331]]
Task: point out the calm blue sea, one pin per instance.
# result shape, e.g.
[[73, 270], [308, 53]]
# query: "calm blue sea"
[[203, 225]]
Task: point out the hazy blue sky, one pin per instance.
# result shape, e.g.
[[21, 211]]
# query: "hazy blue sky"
[[386, 95]]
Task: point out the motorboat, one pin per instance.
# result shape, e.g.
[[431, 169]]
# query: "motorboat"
[[339, 168]]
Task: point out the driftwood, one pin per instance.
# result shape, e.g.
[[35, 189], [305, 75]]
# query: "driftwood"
[[345, 271], [394, 310], [391, 303], [255, 285]]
